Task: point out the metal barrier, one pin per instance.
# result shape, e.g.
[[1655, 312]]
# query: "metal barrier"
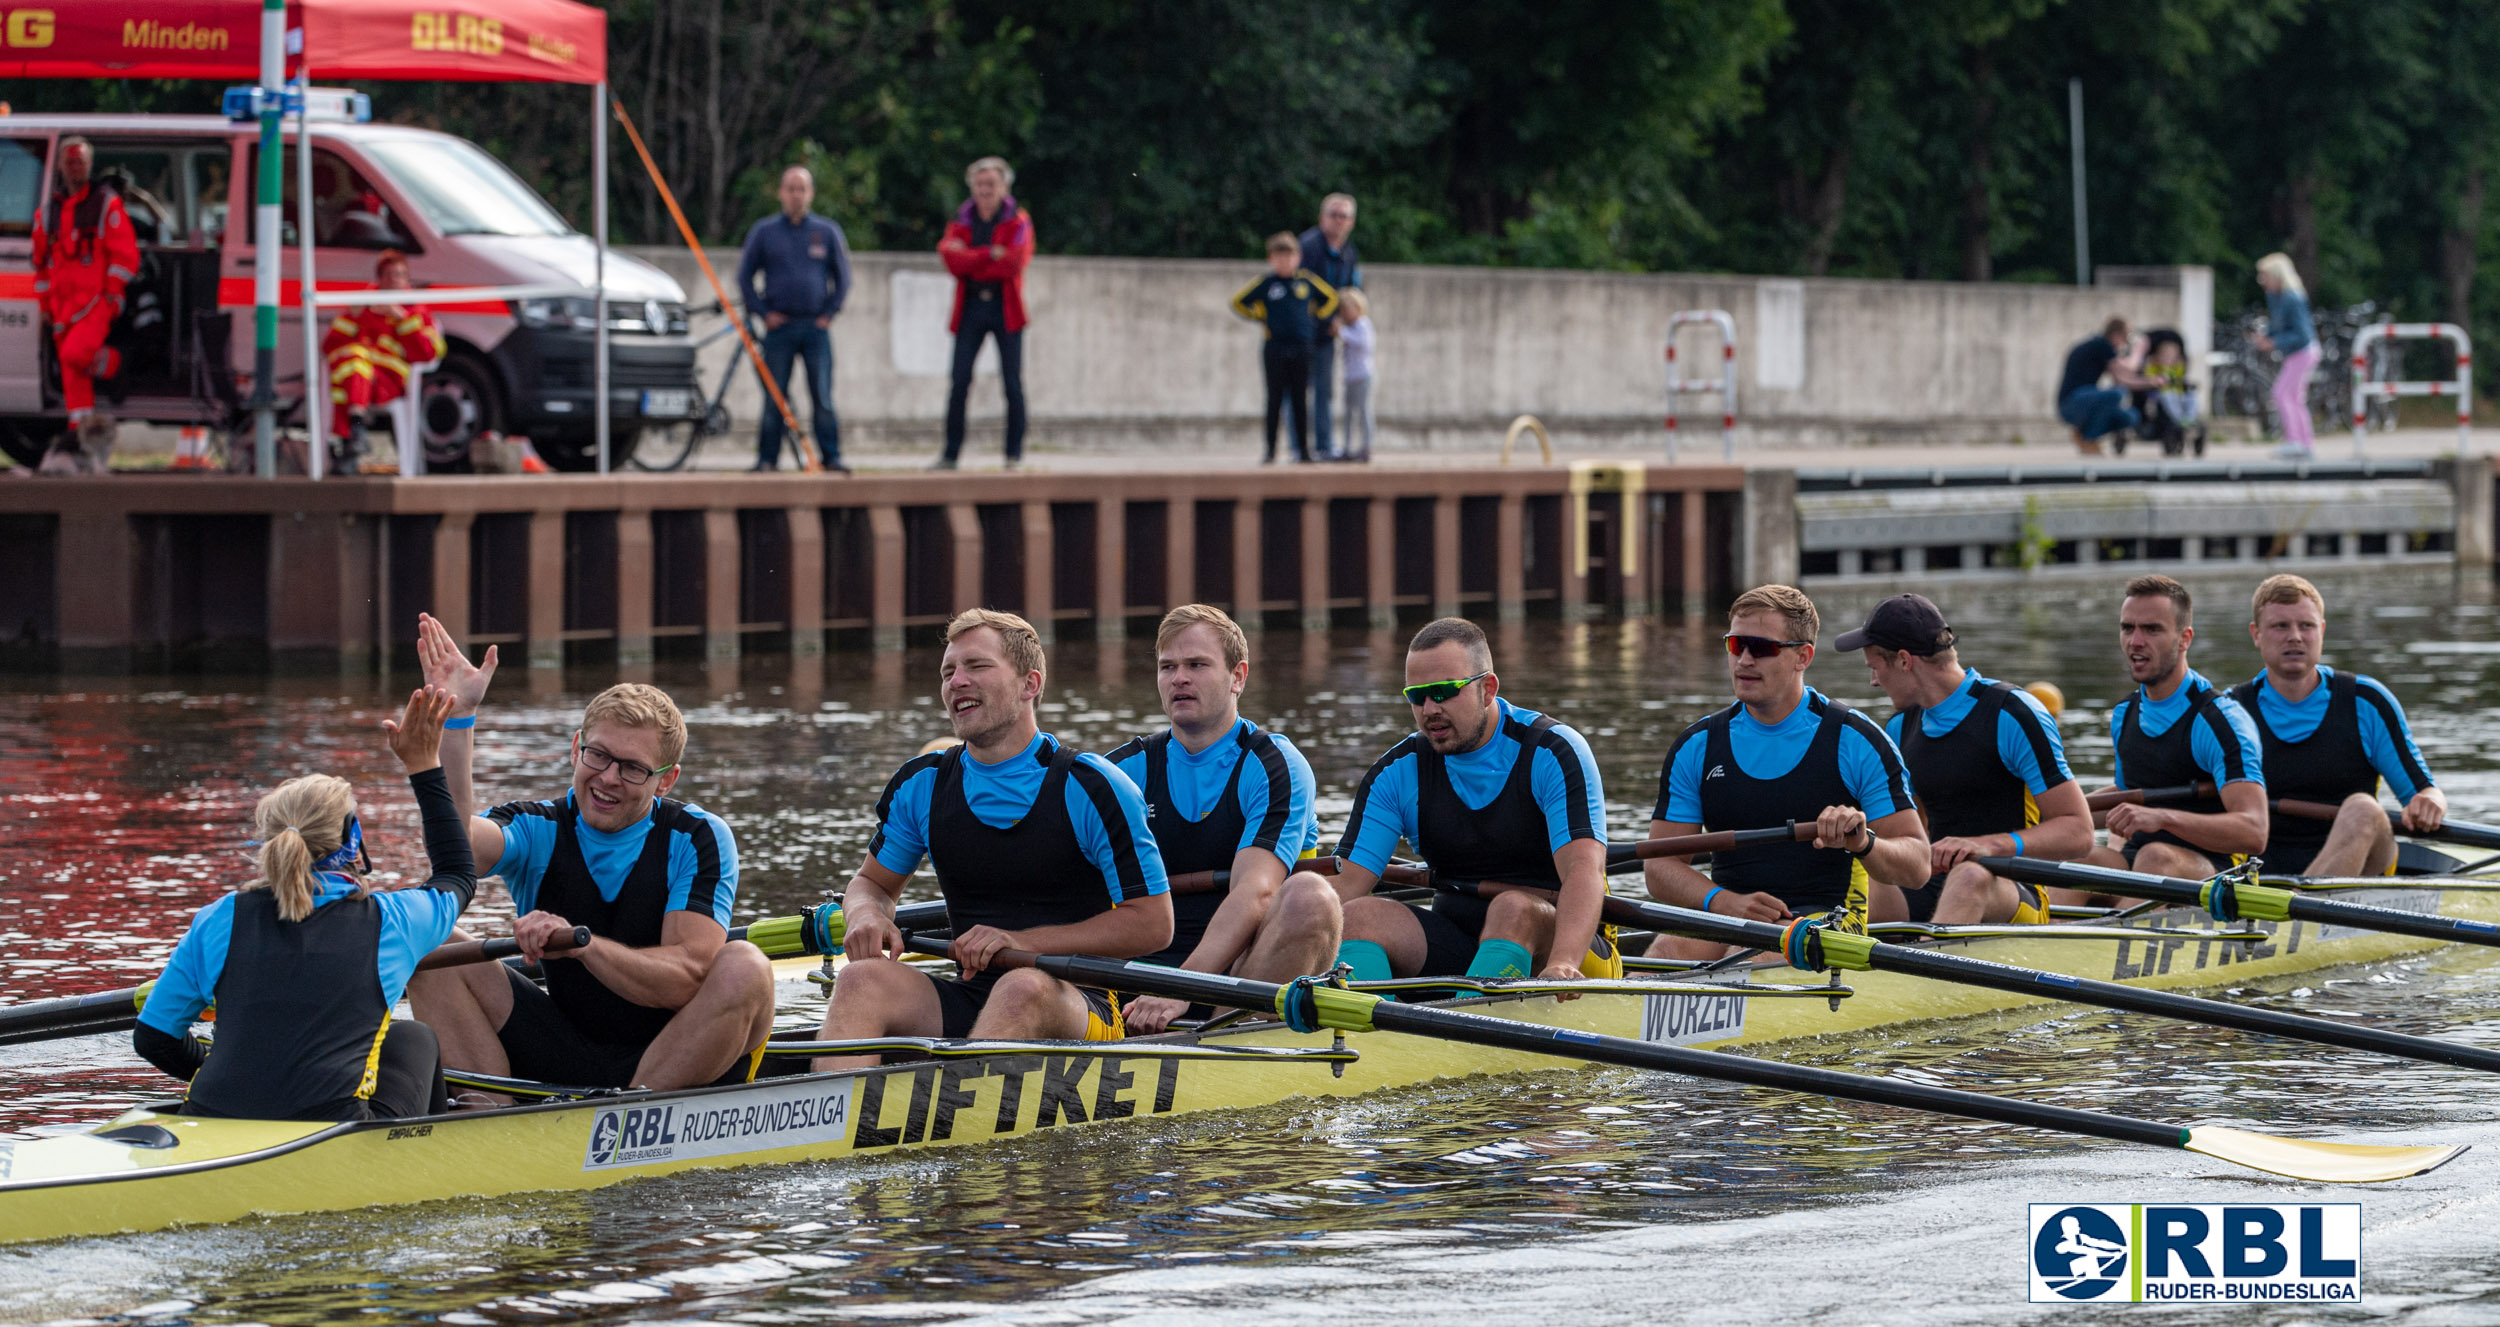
[[2462, 388], [1724, 384]]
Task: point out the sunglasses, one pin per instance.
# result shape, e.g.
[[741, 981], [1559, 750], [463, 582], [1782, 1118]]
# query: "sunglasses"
[[1441, 692], [1760, 647]]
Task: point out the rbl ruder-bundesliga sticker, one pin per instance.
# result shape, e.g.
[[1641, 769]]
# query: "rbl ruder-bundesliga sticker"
[[2238, 1253]]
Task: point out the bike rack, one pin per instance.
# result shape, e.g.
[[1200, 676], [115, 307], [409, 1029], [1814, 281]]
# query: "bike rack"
[[2462, 388], [1724, 384]]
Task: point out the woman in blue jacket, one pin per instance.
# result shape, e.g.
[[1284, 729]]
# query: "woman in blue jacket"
[[2288, 331]]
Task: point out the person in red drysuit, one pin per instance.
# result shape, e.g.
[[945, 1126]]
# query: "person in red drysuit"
[[85, 255], [369, 349]]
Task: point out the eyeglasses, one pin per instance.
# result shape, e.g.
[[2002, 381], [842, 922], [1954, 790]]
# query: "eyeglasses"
[[597, 762], [1760, 647], [1441, 692]]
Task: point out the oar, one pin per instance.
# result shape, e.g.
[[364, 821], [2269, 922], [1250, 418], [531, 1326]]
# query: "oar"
[[1818, 947], [1310, 1007], [1621, 858], [2470, 833], [2229, 900], [116, 1011], [820, 930]]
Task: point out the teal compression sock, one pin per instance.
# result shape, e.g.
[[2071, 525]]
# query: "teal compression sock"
[[1369, 961], [1499, 960]]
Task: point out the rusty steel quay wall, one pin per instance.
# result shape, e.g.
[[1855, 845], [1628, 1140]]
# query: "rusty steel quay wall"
[[138, 573]]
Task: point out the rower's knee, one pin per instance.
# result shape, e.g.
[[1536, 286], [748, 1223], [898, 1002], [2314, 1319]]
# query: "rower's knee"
[[1968, 876], [2362, 814], [1516, 908], [1377, 919], [2172, 860], [1305, 902], [871, 981]]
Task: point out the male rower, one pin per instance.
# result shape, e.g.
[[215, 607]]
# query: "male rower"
[[1485, 791], [1223, 794], [1987, 763], [1036, 848], [1783, 753], [2328, 737], [662, 998], [2177, 731]]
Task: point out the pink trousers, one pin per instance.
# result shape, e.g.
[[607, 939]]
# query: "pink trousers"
[[2291, 394]]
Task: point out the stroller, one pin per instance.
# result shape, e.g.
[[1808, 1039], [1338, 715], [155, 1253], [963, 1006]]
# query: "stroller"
[[2172, 414]]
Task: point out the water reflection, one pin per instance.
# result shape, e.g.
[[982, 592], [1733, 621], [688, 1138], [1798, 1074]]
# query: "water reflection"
[[125, 804]]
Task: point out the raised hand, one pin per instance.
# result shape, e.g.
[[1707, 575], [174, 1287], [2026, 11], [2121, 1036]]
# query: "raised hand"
[[416, 736], [446, 667]]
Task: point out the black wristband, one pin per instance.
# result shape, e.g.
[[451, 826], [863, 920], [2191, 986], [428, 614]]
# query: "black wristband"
[[1869, 850]]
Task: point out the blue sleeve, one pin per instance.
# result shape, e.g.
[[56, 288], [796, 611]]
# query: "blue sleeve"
[[2211, 758], [190, 979], [529, 842], [1572, 796], [841, 267], [2022, 756], [1259, 806], [750, 261], [1679, 797], [902, 837], [414, 921], [703, 868], [2392, 754], [1881, 787], [1384, 812], [1139, 872]]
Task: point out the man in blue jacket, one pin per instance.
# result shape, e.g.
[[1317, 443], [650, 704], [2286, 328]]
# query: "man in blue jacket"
[[806, 267], [1328, 249]]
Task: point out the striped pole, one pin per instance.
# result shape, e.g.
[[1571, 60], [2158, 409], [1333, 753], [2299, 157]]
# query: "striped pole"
[[265, 220]]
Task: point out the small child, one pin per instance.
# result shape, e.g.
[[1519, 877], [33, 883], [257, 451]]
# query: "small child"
[[1292, 302], [1354, 329], [2170, 409]]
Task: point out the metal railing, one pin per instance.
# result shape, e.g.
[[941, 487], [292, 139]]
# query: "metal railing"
[[2367, 388], [1724, 384]]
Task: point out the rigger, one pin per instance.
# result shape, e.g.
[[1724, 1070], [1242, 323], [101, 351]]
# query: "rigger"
[[85, 254]]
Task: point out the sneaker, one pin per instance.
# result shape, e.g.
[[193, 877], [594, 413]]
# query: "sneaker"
[[1011, 465], [943, 463], [2294, 451]]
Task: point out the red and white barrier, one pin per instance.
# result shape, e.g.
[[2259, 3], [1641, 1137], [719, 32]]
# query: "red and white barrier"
[[1724, 384], [2364, 390]]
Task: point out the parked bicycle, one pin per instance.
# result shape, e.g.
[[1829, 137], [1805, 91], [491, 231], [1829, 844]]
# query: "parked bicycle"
[[670, 446], [2243, 376]]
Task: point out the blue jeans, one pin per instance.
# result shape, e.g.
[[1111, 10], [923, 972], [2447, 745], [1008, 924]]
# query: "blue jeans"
[[2097, 412], [1323, 388], [799, 338]]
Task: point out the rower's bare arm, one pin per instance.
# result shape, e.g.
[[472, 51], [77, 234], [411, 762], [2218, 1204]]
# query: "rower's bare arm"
[[868, 929], [666, 975], [2065, 829], [1351, 881], [1134, 929], [1578, 907], [1901, 855], [1673, 879], [447, 667], [1257, 874]]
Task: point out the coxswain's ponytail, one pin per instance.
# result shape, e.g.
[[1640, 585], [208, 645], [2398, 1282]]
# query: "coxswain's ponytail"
[[301, 822]]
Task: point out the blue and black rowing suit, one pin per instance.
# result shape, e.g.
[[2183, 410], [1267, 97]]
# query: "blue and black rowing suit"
[[1732, 771], [304, 1027], [2193, 735], [1046, 837], [1248, 791], [1499, 812], [1980, 759], [2340, 739], [623, 886]]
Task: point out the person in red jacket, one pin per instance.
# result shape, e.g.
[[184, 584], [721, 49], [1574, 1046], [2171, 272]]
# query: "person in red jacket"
[[369, 348], [85, 255], [986, 247]]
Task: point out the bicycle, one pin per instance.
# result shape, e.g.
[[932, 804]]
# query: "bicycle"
[[669, 446]]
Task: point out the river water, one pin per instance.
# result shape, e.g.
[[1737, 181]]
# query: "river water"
[[1597, 1196]]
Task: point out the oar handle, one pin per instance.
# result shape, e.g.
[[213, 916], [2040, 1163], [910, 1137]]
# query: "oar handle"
[[1621, 858], [501, 947], [2185, 792], [1207, 882]]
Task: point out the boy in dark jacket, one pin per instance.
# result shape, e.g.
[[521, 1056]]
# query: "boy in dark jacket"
[[1294, 303]]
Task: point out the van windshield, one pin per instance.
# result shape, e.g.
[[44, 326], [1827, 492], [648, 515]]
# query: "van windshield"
[[463, 191]]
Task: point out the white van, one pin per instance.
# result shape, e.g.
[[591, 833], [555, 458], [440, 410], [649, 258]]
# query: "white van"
[[463, 219]]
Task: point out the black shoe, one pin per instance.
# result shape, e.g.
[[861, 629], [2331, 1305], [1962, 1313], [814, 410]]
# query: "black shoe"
[[943, 463], [760, 468], [836, 468]]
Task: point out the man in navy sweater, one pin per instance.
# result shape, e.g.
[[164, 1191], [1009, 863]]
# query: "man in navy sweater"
[[806, 266], [1328, 249]]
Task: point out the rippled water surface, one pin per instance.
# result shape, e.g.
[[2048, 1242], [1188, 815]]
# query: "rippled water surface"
[[1600, 1196]]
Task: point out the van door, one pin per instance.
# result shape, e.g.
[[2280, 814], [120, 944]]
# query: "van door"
[[168, 308], [353, 222], [22, 159]]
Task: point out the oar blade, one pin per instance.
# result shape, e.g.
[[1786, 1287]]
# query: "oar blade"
[[2323, 1163]]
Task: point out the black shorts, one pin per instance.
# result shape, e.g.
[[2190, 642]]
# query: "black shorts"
[[545, 1046], [960, 1003], [1922, 900], [1449, 942]]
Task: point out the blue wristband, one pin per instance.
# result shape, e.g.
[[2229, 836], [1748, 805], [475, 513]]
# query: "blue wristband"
[[2018, 842], [1715, 891], [471, 722]]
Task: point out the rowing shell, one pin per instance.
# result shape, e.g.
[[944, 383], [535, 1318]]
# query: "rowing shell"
[[147, 1171]]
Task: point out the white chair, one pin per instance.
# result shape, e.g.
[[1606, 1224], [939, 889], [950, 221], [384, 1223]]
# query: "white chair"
[[408, 422]]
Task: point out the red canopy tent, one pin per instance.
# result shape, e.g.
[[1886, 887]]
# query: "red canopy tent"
[[512, 41]]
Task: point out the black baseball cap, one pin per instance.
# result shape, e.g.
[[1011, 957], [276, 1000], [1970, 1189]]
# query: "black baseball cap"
[[1909, 622]]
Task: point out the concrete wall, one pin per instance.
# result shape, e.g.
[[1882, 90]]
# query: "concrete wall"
[[1144, 352]]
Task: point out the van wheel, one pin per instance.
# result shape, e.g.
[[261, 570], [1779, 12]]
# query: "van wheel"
[[460, 403], [25, 439]]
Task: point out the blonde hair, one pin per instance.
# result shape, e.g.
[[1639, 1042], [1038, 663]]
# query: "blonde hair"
[[640, 705], [2284, 589], [1357, 304], [1227, 631], [1786, 600], [300, 821], [1023, 643], [1006, 173], [2279, 266]]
